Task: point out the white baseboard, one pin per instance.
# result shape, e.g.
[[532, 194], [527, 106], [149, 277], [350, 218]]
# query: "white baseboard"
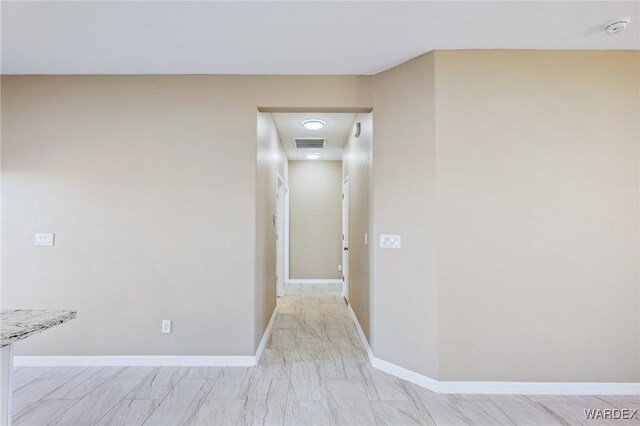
[[363, 338], [461, 387], [406, 374], [314, 281], [507, 388], [542, 388], [149, 360], [265, 336], [135, 360]]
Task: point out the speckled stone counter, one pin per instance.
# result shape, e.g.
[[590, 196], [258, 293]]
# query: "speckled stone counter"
[[21, 323], [16, 325]]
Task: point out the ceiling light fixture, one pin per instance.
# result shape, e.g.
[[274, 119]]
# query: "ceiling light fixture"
[[313, 124], [312, 156], [616, 26]]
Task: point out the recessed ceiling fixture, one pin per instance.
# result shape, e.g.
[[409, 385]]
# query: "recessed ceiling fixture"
[[313, 124], [312, 156], [616, 26]]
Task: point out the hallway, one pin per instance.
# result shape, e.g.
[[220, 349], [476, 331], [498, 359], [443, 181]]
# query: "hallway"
[[314, 371]]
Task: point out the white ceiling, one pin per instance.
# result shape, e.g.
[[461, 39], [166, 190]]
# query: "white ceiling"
[[358, 37], [336, 131]]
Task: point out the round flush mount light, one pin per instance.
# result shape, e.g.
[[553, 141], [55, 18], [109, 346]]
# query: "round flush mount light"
[[312, 156], [313, 124], [616, 26]]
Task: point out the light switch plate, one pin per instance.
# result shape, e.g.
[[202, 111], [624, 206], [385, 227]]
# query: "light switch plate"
[[166, 326], [390, 241], [44, 239]]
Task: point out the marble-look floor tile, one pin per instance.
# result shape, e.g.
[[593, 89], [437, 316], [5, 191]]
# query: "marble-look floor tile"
[[339, 339], [283, 338], [348, 403], [367, 381], [315, 352], [158, 384], [340, 368], [443, 409], [25, 376], [471, 397], [64, 372], [273, 370], [303, 355], [588, 400], [273, 356], [203, 372], [275, 389], [84, 383], [309, 330], [396, 413], [307, 381], [95, 405], [388, 387], [522, 411], [351, 329], [232, 383], [484, 413], [291, 289], [335, 311], [136, 372], [33, 392], [333, 322], [572, 413], [218, 412], [309, 342], [266, 403], [285, 321], [353, 353], [621, 399], [274, 364], [43, 412], [303, 413], [182, 404], [129, 412], [631, 407]]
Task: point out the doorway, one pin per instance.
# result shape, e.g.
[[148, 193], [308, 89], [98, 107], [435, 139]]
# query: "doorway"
[[345, 239], [315, 211]]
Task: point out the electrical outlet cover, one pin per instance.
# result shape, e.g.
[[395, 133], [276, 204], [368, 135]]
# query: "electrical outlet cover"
[[390, 241], [44, 239]]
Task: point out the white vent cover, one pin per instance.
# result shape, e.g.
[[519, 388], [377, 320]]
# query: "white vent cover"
[[309, 143]]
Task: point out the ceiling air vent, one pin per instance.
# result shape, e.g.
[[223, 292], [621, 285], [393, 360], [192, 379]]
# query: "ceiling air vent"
[[309, 143]]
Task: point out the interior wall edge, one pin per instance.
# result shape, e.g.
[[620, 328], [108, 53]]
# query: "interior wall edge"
[[494, 387], [355, 110]]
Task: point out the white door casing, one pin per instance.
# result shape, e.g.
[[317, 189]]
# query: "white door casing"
[[280, 236], [345, 238]]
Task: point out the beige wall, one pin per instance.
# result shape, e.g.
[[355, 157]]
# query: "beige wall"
[[513, 178], [357, 165], [149, 183], [405, 320], [272, 161], [537, 181], [315, 219]]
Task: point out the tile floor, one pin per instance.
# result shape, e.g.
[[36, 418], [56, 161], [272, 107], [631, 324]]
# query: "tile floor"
[[313, 372]]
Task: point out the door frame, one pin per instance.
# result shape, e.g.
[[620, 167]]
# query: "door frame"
[[282, 235], [345, 253], [286, 234]]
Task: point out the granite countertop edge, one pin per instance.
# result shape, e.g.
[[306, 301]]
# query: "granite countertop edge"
[[18, 324]]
